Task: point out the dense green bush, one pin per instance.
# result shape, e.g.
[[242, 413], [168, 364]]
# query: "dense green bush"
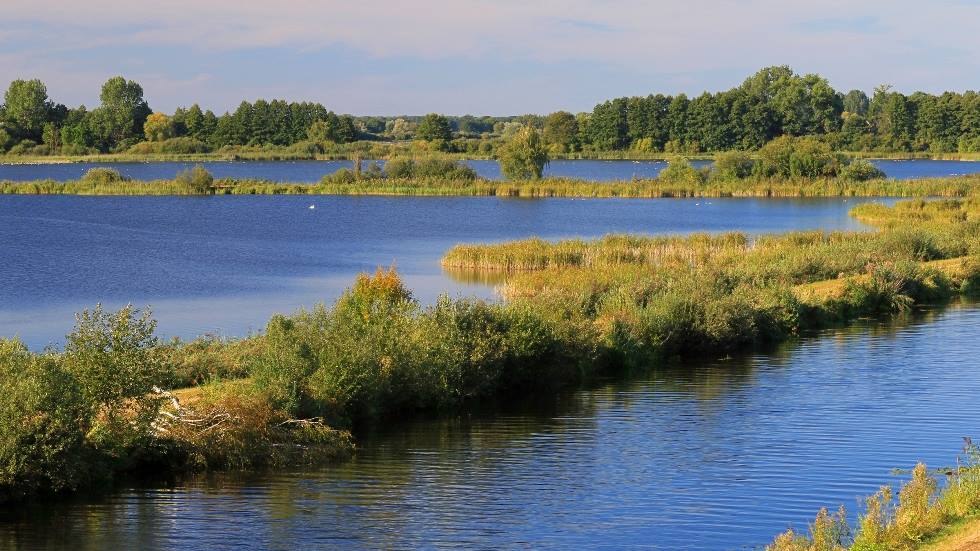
[[789, 157], [860, 170], [183, 145], [524, 156], [405, 168], [732, 165], [196, 180], [680, 172], [103, 176], [42, 418]]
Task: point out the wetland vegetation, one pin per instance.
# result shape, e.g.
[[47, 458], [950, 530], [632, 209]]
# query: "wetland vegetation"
[[572, 310]]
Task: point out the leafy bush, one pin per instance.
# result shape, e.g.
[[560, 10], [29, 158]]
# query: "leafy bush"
[[524, 156], [789, 157], [183, 145], [196, 180], [733, 165], [115, 360], [41, 414], [860, 170], [429, 168], [103, 176], [680, 172]]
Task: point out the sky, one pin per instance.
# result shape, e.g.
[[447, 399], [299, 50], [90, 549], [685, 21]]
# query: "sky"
[[496, 57]]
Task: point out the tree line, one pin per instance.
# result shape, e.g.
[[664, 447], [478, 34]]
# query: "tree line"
[[773, 102]]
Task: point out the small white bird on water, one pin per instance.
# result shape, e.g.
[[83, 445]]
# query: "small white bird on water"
[[312, 207]]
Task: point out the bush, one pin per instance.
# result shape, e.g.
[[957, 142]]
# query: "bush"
[[183, 145], [42, 415], [524, 156], [680, 171], [733, 165], [115, 360], [103, 176], [861, 170], [196, 180], [429, 168], [789, 157]]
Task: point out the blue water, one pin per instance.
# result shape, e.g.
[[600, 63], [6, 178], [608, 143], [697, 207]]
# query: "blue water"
[[226, 264], [313, 171], [709, 455]]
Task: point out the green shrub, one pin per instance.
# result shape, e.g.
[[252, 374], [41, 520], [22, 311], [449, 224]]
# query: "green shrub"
[[183, 145], [680, 172], [42, 415], [789, 157], [196, 180], [861, 170], [733, 165], [103, 176], [524, 156], [115, 360]]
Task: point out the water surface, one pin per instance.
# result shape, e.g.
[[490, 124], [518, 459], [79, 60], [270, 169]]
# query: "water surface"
[[226, 264], [708, 455]]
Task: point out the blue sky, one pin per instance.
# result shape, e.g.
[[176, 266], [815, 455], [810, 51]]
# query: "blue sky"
[[477, 56]]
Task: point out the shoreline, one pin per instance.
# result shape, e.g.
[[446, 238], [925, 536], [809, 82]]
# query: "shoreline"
[[286, 156]]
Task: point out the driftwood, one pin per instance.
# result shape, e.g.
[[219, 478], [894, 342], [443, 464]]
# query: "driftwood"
[[178, 414]]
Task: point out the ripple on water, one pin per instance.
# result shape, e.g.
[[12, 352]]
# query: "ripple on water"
[[711, 455]]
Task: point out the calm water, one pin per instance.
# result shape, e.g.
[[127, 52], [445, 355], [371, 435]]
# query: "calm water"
[[703, 456], [226, 264], [312, 171]]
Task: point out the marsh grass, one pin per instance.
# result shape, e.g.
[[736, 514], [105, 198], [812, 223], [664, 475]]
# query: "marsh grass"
[[920, 512], [459, 183]]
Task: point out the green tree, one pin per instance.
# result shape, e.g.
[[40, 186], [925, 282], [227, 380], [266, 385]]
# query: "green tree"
[[434, 127], [856, 102], [561, 129], [26, 108], [524, 156], [120, 119], [608, 127]]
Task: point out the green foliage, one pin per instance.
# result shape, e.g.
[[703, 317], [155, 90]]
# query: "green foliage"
[[561, 130], [524, 156], [196, 180], [680, 172], [103, 176], [434, 127], [429, 168], [733, 165], [113, 357], [26, 108], [183, 145], [41, 412], [788, 157], [861, 170]]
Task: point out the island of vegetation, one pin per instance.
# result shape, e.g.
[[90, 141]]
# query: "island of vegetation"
[[784, 167], [773, 102]]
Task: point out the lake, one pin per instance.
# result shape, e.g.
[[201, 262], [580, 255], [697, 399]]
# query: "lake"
[[313, 171], [225, 264], [704, 455]]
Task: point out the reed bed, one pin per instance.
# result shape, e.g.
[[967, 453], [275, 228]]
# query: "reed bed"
[[958, 186]]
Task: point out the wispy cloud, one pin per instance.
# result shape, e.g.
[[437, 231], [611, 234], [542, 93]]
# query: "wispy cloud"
[[476, 55]]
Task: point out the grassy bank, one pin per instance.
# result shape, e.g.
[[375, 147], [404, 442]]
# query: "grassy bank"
[[959, 186], [573, 310], [379, 150]]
